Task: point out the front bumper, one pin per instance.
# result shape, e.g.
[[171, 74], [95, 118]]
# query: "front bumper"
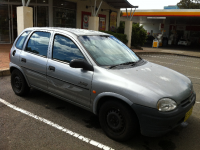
[[155, 123]]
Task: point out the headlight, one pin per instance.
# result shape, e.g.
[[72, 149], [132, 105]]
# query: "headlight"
[[166, 104]]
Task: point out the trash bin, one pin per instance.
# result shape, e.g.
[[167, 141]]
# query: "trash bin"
[[165, 41], [155, 43]]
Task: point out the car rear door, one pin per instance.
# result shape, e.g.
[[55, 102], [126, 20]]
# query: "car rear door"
[[72, 84], [18, 47], [33, 59]]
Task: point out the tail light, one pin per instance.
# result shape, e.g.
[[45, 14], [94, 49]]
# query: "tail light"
[[9, 54]]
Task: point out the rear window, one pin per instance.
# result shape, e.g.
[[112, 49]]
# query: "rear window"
[[22, 38]]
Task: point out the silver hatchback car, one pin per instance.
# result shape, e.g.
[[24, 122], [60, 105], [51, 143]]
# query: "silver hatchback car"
[[99, 73]]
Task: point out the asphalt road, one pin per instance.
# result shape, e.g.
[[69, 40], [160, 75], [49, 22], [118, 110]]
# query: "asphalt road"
[[19, 131]]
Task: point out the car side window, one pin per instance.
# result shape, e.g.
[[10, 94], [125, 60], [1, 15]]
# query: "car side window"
[[38, 43], [21, 40], [65, 50]]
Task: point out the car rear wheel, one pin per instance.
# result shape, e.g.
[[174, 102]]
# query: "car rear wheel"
[[118, 121], [18, 83]]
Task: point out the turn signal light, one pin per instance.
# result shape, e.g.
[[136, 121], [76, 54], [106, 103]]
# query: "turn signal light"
[[94, 91]]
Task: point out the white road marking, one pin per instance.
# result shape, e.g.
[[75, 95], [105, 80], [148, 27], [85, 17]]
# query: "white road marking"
[[181, 58], [76, 135], [172, 64], [193, 77]]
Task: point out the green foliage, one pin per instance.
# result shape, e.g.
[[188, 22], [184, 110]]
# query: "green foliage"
[[189, 4], [121, 27], [139, 35], [119, 36]]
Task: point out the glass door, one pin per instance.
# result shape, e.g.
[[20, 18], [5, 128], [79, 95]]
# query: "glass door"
[[4, 24]]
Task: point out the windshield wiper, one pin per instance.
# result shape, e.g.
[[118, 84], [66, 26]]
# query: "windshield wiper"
[[126, 63]]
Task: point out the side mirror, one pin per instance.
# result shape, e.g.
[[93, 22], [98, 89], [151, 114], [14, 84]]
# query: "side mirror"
[[80, 63]]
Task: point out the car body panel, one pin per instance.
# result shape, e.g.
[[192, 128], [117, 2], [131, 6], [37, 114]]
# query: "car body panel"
[[143, 85], [70, 83]]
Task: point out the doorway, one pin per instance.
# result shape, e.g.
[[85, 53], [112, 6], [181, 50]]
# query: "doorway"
[[4, 24]]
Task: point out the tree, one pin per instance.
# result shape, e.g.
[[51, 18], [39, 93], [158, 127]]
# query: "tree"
[[139, 35], [189, 4]]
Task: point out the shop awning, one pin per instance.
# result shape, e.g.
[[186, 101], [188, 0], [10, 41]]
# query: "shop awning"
[[120, 4]]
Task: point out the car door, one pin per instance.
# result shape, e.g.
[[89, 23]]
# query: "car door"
[[73, 84], [33, 59], [16, 50]]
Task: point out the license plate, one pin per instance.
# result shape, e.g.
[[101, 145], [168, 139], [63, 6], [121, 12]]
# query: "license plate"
[[188, 114]]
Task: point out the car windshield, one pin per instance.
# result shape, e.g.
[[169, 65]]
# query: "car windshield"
[[108, 50]]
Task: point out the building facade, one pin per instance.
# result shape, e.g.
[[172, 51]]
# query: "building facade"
[[57, 13]]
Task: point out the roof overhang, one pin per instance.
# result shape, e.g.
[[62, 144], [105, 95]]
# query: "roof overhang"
[[120, 4], [166, 13]]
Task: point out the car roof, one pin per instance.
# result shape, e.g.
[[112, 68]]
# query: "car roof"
[[75, 31]]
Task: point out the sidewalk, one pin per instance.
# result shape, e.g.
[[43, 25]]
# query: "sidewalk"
[[4, 56], [5, 49], [4, 59]]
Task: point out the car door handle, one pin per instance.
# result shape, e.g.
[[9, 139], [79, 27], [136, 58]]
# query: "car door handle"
[[52, 68], [23, 60]]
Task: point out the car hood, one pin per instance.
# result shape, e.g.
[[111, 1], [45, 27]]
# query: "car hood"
[[152, 82]]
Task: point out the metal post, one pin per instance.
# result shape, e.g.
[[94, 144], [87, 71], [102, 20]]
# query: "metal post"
[[28, 3], [98, 9], [23, 2], [133, 14], [126, 14], [95, 7], [130, 13], [91, 8]]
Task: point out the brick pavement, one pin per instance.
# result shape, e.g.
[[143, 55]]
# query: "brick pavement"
[[4, 56]]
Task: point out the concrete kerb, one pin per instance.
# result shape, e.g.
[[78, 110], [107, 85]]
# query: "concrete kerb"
[[4, 72]]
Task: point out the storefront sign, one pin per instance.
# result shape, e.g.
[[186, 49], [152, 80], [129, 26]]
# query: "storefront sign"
[[113, 21], [85, 20], [102, 22]]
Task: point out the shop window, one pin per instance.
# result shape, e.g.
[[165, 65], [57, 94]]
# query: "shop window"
[[42, 1], [42, 16], [64, 18], [102, 22], [20, 1], [64, 3]]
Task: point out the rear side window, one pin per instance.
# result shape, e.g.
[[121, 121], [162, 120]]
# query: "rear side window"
[[38, 43], [65, 50], [22, 38]]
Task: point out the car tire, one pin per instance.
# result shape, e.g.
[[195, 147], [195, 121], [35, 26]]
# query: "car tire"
[[18, 82], [118, 121]]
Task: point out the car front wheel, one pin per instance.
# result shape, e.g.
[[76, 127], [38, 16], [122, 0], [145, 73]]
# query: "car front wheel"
[[118, 121]]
